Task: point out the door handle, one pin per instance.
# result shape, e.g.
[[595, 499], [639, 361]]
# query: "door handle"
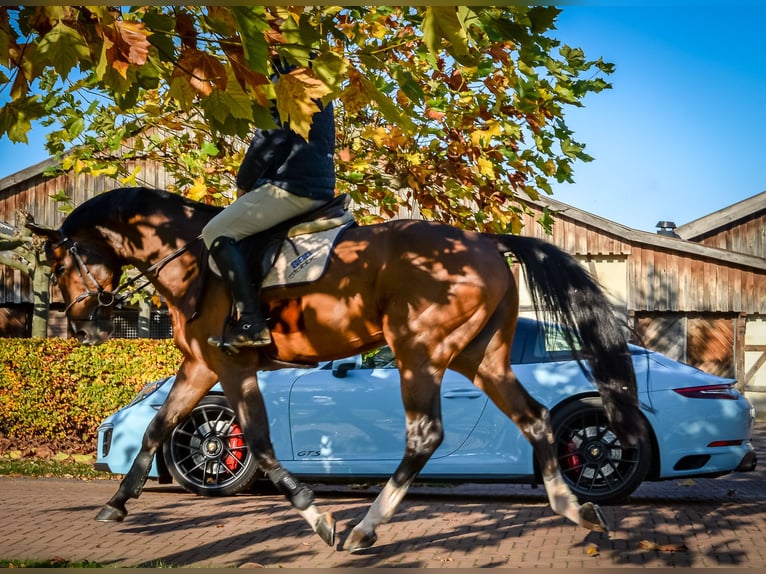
[[463, 394]]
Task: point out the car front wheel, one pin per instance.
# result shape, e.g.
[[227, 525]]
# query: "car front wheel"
[[207, 455], [595, 464]]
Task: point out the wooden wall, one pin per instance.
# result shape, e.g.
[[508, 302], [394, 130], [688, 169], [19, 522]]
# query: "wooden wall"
[[748, 236], [660, 278]]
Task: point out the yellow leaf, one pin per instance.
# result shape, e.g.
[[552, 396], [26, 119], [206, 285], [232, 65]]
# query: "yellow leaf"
[[481, 138], [297, 93], [486, 167], [414, 158], [198, 190], [130, 180]]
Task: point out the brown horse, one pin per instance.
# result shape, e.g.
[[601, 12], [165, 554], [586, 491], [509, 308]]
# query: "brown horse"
[[439, 296]]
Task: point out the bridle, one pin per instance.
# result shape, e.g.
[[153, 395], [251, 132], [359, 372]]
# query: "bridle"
[[104, 297]]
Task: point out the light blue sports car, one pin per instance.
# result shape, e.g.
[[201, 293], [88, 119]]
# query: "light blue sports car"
[[344, 421]]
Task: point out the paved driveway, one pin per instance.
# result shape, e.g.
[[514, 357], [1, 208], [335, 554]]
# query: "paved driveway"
[[698, 523]]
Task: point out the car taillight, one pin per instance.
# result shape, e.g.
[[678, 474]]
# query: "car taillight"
[[727, 392]]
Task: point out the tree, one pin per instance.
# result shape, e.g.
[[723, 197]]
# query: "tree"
[[455, 110], [19, 249]]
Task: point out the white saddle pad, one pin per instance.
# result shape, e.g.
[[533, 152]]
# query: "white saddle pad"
[[303, 257]]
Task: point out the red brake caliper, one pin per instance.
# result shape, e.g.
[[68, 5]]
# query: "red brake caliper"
[[571, 459], [236, 448]]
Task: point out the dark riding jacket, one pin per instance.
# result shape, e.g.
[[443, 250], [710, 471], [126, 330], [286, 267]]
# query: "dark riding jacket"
[[283, 158]]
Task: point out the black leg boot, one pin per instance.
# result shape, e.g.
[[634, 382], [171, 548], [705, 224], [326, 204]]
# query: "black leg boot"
[[249, 328]]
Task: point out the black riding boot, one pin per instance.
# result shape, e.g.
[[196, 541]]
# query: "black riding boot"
[[249, 328]]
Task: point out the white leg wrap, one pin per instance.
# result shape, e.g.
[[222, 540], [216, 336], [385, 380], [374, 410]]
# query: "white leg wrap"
[[383, 508], [311, 515], [562, 500]]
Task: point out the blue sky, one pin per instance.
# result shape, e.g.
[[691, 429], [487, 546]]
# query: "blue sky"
[[680, 135]]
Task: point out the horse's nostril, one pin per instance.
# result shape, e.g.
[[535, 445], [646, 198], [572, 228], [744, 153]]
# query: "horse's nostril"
[[81, 335]]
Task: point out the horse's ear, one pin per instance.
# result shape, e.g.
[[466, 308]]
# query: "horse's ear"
[[53, 235]]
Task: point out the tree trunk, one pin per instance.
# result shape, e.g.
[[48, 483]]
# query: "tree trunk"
[[41, 287]]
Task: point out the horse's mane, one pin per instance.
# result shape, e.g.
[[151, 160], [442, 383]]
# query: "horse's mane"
[[121, 203]]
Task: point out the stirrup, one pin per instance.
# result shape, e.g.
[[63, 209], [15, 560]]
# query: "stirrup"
[[242, 334]]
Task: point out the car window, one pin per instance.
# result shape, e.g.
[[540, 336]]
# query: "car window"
[[381, 358], [548, 345]]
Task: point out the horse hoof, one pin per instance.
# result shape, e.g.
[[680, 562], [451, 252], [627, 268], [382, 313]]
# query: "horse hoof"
[[325, 528], [359, 540], [592, 518], [109, 513]]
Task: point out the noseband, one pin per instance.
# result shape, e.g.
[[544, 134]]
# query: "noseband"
[[104, 297]]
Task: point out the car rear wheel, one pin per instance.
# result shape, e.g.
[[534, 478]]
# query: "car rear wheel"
[[207, 455], [595, 464]]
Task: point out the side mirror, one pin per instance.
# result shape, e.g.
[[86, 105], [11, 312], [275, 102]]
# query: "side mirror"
[[341, 367]]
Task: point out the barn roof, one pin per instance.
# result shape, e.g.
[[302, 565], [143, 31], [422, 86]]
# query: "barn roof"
[[645, 238], [732, 214]]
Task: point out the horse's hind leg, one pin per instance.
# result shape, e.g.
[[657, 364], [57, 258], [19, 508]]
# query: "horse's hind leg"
[[242, 392], [502, 386], [424, 434], [191, 384]]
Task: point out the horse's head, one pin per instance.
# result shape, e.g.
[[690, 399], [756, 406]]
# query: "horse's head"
[[87, 273]]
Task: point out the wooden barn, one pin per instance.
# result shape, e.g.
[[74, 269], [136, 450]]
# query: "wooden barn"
[[696, 293]]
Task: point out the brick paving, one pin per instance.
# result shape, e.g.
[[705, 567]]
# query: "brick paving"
[[692, 523]]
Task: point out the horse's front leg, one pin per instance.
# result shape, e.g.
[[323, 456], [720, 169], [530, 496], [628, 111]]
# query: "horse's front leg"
[[424, 434], [242, 392], [191, 384]]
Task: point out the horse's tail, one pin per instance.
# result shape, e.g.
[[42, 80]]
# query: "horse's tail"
[[564, 293]]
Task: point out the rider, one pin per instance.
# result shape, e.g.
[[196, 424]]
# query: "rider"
[[281, 176]]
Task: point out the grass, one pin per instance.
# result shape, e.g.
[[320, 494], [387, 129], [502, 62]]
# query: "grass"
[[60, 466], [54, 563], [62, 563]]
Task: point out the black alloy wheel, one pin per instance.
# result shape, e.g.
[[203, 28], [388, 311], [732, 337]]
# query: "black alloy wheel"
[[206, 453], [595, 464]]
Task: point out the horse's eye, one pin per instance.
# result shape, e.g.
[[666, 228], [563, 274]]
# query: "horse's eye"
[[58, 271]]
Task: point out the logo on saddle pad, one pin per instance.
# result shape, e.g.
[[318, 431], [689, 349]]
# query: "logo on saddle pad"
[[303, 255]]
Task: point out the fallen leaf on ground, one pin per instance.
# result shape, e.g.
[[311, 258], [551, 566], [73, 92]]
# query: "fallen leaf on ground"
[[648, 545]]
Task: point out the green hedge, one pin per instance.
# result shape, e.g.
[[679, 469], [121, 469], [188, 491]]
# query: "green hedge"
[[56, 391]]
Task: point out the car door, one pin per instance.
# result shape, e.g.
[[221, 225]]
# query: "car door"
[[350, 419]]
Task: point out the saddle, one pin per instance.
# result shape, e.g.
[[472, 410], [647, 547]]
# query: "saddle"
[[298, 242], [262, 249]]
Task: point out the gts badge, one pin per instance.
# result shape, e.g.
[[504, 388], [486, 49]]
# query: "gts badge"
[[304, 453]]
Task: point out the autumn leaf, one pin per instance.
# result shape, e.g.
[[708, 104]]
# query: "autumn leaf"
[[442, 22], [649, 545], [63, 48], [358, 92], [131, 41], [202, 69], [297, 93], [252, 25], [464, 103], [198, 190], [486, 167]]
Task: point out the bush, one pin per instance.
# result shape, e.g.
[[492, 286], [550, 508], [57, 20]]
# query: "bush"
[[57, 392]]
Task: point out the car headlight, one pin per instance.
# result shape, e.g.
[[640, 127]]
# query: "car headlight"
[[147, 390]]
